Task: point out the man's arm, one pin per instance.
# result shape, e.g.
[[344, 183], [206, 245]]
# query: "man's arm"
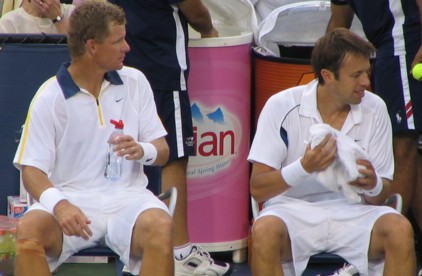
[[341, 16], [198, 16], [35, 181], [267, 182], [69, 217]]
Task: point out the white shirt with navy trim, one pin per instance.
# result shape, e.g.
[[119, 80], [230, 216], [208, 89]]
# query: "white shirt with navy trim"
[[67, 128], [283, 131]]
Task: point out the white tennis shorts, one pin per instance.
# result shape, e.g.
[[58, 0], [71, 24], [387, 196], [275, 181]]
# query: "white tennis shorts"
[[334, 226], [113, 217]]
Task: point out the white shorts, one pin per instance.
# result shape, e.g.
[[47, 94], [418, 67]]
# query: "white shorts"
[[112, 220], [334, 226]]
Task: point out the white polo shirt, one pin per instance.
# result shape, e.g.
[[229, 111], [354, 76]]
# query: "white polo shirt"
[[283, 131], [67, 128]]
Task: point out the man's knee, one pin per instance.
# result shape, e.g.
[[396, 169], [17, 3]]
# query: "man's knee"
[[269, 232], [42, 227], [157, 221], [393, 231], [36, 225], [156, 228], [400, 229]]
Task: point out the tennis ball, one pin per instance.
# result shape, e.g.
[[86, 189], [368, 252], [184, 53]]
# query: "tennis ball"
[[417, 72]]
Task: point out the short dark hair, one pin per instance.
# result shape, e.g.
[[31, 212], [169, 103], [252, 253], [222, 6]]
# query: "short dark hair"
[[91, 20], [331, 49]]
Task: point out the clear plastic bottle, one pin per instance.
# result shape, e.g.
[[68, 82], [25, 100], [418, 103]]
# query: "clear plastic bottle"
[[113, 168]]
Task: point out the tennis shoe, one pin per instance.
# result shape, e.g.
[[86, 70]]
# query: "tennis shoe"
[[346, 270], [199, 262]]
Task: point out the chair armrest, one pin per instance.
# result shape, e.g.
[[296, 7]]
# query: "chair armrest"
[[171, 194]]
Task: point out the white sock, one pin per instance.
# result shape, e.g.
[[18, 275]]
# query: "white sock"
[[181, 252]]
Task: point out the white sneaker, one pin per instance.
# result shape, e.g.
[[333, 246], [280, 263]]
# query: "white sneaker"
[[200, 263], [346, 270]]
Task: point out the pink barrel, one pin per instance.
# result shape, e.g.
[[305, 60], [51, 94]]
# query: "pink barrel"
[[218, 175]]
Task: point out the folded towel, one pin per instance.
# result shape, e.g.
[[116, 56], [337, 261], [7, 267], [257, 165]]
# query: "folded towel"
[[344, 168]]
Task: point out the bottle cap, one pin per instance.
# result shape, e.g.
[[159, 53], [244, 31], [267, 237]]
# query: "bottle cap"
[[117, 124]]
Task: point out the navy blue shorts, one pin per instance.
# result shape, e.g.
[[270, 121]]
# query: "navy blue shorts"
[[174, 109], [400, 91]]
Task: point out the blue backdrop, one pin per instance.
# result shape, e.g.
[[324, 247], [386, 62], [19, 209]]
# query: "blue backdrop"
[[25, 63]]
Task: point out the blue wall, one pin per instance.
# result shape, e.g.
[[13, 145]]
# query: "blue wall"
[[24, 66]]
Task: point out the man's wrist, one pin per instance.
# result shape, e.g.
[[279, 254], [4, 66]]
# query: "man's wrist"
[[58, 18], [376, 190], [50, 197], [294, 173], [150, 153]]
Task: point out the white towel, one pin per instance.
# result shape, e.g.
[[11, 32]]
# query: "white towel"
[[344, 168]]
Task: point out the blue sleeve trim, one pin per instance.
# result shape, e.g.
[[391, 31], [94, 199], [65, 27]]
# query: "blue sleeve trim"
[[283, 135]]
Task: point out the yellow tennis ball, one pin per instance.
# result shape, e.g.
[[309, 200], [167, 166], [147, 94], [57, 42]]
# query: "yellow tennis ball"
[[417, 72]]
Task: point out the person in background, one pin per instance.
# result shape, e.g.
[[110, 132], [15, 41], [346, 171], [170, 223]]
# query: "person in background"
[[301, 216], [394, 27], [157, 32], [62, 156], [9, 5], [37, 17]]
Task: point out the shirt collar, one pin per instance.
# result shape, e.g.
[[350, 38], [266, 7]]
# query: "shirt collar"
[[70, 88], [308, 106]]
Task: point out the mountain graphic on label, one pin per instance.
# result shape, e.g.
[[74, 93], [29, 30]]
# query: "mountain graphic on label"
[[196, 113], [216, 116]]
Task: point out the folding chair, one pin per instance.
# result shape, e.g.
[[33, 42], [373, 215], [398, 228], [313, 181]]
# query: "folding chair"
[[328, 259], [105, 251]]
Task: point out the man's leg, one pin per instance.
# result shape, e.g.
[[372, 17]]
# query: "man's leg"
[[174, 175], [405, 157], [392, 239], [417, 203], [189, 258], [152, 239], [37, 234], [270, 245]]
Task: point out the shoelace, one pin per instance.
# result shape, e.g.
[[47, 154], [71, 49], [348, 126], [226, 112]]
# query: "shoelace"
[[202, 253], [337, 272]]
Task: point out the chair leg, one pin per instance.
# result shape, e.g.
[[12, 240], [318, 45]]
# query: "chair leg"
[[118, 266]]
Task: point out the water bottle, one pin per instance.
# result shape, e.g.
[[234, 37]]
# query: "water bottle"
[[113, 168]]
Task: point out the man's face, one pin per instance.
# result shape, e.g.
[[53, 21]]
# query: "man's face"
[[353, 79], [110, 53]]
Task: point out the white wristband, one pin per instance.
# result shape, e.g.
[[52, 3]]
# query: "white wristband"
[[50, 197], [294, 173], [150, 153], [376, 190]]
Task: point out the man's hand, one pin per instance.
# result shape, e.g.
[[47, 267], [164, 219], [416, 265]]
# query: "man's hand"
[[368, 177], [48, 8], [72, 220], [128, 147], [418, 57], [320, 157]]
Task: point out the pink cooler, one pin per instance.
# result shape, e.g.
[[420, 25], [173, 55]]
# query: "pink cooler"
[[218, 175]]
